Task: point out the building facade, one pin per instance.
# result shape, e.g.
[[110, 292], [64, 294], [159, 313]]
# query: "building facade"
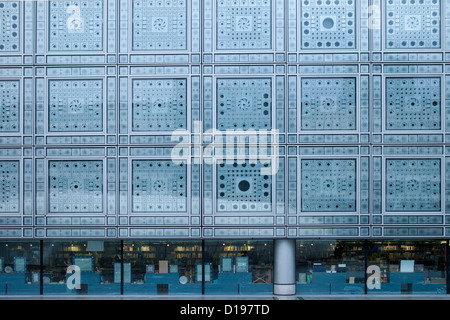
[[224, 147]]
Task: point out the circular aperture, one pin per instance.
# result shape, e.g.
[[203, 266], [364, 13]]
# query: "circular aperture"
[[328, 23], [244, 185]]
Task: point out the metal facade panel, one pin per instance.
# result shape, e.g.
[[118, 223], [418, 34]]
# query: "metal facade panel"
[[357, 91]]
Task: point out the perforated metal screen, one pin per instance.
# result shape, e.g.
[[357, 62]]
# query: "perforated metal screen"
[[98, 97]]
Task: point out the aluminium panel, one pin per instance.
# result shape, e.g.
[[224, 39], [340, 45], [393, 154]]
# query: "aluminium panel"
[[409, 189], [16, 187], [158, 105], [157, 189], [244, 233], [328, 186], [327, 26], [409, 105], [75, 106], [408, 31], [246, 188], [412, 25], [75, 186], [16, 103], [243, 99], [160, 233], [152, 32], [16, 32], [76, 32], [328, 105], [238, 31]]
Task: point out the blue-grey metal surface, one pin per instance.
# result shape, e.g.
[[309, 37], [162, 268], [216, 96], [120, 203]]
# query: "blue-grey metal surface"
[[108, 82]]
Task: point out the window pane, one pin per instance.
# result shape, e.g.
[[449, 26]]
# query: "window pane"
[[153, 267], [330, 267], [80, 267], [238, 267], [407, 267], [19, 268]]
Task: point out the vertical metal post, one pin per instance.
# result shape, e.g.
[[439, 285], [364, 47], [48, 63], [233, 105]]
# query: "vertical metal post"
[[203, 266], [121, 267], [366, 248], [447, 266], [41, 267]]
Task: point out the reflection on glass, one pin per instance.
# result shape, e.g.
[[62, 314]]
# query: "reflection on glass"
[[159, 267], [330, 267], [239, 267], [94, 260], [408, 267], [19, 268]]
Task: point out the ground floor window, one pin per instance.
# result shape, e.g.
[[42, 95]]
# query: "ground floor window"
[[221, 267]]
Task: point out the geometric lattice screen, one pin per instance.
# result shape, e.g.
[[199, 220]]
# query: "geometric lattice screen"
[[92, 92]]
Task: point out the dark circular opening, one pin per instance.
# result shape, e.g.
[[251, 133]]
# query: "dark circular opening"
[[244, 185]]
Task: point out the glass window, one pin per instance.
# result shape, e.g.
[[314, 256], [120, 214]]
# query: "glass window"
[[19, 268], [81, 267], [238, 267], [330, 267], [161, 267], [407, 267]]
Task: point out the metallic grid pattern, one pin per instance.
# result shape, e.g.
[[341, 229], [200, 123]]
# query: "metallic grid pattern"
[[242, 187], [9, 106], [413, 24], [328, 24], [75, 186], [413, 185], [358, 91], [76, 25], [329, 104], [9, 26], [9, 186], [244, 104], [328, 185], [244, 24], [75, 106], [159, 104], [413, 103], [159, 186], [159, 25]]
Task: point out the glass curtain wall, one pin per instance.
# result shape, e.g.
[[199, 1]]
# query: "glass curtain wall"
[[91, 264], [230, 267], [408, 267], [330, 267], [238, 267], [162, 267], [19, 267]]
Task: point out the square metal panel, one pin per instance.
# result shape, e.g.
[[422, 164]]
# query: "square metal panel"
[[413, 185], [10, 22], [328, 25], [75, 186], [75, 106], [244, 104], [413, 104], [76, 25], [9, 106], [242, 188], [159, 186], [413, 24], [9, 186], [328, 185], [159, 25], [329, 104], [244, 25], [159, 104]]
